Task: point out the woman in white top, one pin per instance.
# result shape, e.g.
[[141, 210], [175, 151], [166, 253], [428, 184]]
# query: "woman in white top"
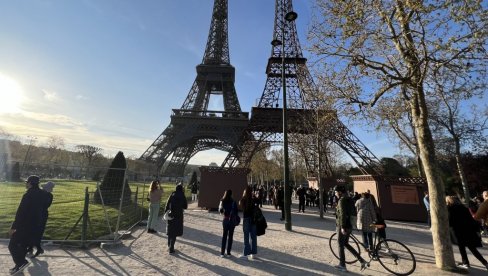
[[155, 194]]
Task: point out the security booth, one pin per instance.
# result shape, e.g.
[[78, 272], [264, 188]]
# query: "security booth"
[[214, 181], [400, 198]]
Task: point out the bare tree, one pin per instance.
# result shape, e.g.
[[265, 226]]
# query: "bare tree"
[[89, 153], [374, 51], [393, 117], [54, 145], [449, 92]]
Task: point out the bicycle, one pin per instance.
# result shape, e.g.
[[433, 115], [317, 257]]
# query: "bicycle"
[[393, 255]]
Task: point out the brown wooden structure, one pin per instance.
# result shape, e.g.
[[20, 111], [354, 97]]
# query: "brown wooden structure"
[[215, 180], [400, 198]]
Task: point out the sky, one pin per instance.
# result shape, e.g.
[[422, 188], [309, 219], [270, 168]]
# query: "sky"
[[108, 73]]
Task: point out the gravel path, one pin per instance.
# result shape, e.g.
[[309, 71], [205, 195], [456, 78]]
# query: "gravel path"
[[303, 251]]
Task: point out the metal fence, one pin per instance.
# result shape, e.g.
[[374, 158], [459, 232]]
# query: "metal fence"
[[83, 211]]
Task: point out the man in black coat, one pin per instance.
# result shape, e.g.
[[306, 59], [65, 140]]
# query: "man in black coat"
[[27, 223], [301, 198]]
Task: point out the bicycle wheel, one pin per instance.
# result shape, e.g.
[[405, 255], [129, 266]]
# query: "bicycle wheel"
[[395, 257], [334, 248]]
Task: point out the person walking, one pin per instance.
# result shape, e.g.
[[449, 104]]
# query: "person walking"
[[194, 191], [301, 198], [427, 207], [248, 227], [228, 208], [365, 217], [174, 227], [154, 197], [344, 212], [26, 226], [280, 197], [465, 230], [48, 199]]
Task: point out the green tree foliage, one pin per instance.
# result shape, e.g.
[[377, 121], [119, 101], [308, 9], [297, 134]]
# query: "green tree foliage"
[[392, 167], [113, 183]]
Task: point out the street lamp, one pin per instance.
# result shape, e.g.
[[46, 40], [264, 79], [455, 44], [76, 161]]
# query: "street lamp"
[[289, 17]]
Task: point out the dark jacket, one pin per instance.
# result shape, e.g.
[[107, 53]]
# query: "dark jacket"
[[464, 226], [344, 212], [228, 208], [28, 218], [176, 203]]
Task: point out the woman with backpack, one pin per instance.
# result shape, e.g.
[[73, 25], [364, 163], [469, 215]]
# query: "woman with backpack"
[[228, 208]]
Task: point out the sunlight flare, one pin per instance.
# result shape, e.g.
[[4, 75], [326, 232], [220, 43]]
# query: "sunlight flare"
[[10, 95]]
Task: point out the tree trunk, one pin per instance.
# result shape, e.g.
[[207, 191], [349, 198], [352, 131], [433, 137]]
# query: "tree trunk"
[[444, 256], [462, 176]]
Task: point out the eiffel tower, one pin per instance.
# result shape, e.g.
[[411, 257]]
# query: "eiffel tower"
[[265, 126], [194, 128]]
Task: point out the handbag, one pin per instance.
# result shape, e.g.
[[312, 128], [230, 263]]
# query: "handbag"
[[236, 220], [167, 216]]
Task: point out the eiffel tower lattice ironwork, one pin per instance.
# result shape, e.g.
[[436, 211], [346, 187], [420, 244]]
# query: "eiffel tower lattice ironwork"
[[265, 126], [194, 128]]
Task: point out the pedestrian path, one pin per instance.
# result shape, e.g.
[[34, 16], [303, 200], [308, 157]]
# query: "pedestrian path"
[[302, 251]]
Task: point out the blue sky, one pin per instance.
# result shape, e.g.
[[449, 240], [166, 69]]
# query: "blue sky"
[[107, 73]]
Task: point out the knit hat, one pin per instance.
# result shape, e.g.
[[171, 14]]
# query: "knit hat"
[[33, 180]]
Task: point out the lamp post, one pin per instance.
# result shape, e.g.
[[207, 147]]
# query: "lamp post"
[[288, 17]]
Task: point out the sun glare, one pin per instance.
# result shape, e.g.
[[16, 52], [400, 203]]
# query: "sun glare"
[[10, 95]]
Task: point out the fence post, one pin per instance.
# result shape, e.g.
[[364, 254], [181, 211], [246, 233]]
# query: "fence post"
[[136, 201], [143, 199], [85, 219], [116, 234]]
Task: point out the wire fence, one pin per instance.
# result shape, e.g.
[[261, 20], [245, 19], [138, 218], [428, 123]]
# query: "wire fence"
[[84, 211]]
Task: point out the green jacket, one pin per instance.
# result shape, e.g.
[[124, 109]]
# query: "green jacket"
[[344, 212]]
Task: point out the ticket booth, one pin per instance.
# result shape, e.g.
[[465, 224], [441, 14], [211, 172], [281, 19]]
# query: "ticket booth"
[[400, 198], [214, 181]]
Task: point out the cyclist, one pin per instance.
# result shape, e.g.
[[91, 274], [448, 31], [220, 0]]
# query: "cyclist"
[[344, 211]]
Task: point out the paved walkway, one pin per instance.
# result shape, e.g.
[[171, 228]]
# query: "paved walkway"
[[303, 251]]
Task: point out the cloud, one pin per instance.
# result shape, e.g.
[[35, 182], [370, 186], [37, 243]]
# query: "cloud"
[[54, 119], [81, 97], [51, 96]]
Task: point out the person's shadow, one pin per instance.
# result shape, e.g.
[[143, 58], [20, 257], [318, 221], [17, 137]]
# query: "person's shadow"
[[38, 267]]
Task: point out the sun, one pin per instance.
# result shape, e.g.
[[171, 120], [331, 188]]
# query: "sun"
[[10, 95]]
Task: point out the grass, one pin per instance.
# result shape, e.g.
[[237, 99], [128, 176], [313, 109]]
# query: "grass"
[[67, 208]]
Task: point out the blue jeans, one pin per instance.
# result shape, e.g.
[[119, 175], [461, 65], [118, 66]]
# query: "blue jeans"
[[227, 234], [249, 232], [153, 215]]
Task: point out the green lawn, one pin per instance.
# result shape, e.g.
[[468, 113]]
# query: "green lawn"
[[68, 205]]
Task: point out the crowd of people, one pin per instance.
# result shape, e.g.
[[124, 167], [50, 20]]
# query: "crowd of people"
[[467, 222]]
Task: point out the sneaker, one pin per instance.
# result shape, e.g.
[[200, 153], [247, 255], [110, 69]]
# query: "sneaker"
[[463, 265], [30, 252], [38, 252], [222, 256], [10, 271], [18, 269], [229, 255], [364, 265], [340, 268], [243, 257]]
